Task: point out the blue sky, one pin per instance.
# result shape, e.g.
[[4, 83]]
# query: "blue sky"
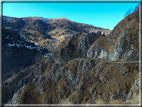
[[105, 15]]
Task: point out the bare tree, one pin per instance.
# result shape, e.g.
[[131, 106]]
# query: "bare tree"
[[136, 8], [128, 14]]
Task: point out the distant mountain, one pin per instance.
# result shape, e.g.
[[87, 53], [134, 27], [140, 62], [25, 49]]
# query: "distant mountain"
[[48, 33], [17, 54], [59, 61], [85, 67], [26, 41]]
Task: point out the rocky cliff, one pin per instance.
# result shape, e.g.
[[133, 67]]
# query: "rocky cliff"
[[87, 68], [26, 41]]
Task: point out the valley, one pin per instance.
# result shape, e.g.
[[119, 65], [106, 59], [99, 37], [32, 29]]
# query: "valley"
[[59, 61]]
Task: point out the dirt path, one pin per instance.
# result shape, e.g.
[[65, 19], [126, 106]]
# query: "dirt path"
[[123, 61], [111, 61]]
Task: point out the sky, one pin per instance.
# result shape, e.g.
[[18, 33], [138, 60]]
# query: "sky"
[[105, 15]]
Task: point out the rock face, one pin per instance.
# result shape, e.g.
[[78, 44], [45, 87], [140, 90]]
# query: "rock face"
[[121, 44], [81, 81], [77, 47], [25, 40], [87, 67]]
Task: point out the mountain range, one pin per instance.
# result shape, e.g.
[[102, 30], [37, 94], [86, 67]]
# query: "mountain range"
[[59, 61]]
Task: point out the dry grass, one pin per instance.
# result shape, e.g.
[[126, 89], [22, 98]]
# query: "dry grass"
[[66, 101], [93, 82], [99, 101], [133, 101], [114, 79]]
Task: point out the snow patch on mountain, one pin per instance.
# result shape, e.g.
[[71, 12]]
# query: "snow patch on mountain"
[[24, 45], [6, 19], [46, 20], [9, 44]]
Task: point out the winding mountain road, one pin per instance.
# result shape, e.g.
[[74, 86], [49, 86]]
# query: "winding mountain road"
[[123, 61], [111, 61]]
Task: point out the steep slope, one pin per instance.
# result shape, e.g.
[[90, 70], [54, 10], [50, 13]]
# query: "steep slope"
[[87, 67], [75, 46], [25, 42], [81, 83], [14, 60], [121, 44], [17, 54], [49, 33]]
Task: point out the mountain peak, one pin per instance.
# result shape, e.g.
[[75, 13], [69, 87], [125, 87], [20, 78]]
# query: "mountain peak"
[[85, 65], [63, 18]]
